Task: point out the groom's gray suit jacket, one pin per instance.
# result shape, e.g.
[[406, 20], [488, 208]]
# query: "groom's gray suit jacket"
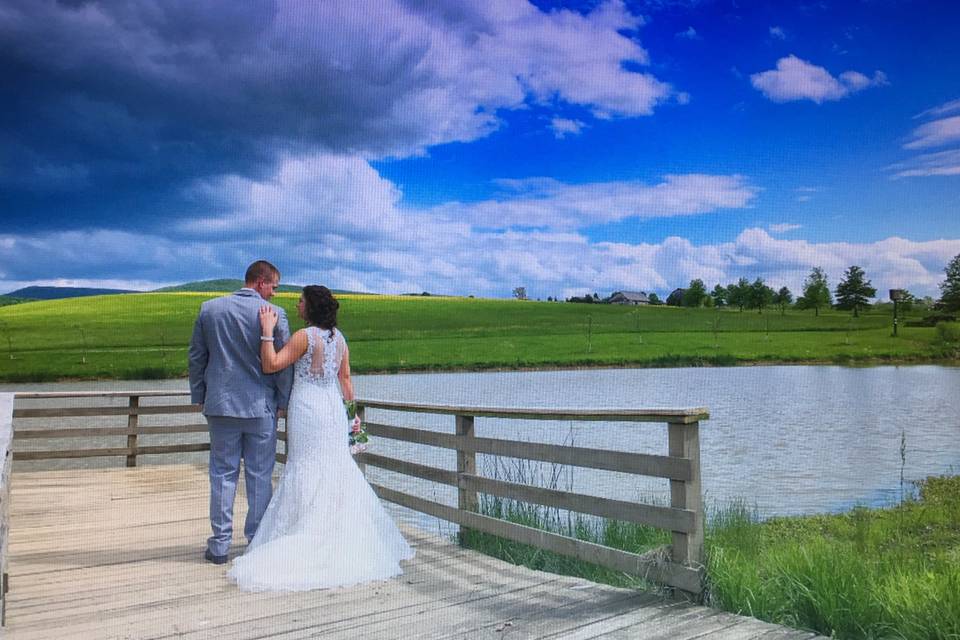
[[224, 359]]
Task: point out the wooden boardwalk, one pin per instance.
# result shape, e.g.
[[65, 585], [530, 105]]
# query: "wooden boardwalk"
[[116, 553]]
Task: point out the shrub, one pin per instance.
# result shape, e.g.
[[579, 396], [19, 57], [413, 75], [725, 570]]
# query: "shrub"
[[948, 332]]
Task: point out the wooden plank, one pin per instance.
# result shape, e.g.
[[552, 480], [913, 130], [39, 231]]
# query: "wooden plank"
[[443, 476], [429, 507], [146, 579], [623, 461], [466, 462], [82, 432], [46, 395], [133, 420], [547, 413], [655, 569], [69, 412], [60, 454], [684, 440], [661, 517]]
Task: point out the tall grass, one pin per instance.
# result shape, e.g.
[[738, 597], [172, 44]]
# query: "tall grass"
[[868, 573]]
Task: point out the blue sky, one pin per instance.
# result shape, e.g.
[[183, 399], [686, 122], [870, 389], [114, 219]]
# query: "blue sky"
[[469, 148]]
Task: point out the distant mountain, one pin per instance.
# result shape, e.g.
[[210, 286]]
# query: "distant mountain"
[[224, 284], [55, 293]]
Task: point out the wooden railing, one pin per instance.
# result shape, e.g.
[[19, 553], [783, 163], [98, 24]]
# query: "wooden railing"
[[677, 566], [132, 408], [6, 464]]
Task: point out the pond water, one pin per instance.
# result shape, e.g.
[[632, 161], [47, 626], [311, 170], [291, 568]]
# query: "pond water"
[[784, 439]]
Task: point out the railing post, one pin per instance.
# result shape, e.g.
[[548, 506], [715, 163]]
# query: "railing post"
[[6, 461], [133, 421], [466, 463], [684, 442]]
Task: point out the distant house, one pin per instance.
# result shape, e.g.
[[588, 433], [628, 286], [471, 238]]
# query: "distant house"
[[629, 297]]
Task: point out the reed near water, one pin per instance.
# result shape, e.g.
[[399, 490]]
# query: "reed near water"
[[868, 573]]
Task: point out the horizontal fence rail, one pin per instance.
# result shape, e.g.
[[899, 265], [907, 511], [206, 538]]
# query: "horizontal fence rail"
[[677, 566], [28, 423]]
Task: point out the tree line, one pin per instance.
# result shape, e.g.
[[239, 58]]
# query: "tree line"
[[853, 293]]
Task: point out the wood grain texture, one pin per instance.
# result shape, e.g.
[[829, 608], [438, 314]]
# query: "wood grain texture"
[[116, 553]]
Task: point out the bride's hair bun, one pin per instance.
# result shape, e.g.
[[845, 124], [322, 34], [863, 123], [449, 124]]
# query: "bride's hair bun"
[[320, 306]]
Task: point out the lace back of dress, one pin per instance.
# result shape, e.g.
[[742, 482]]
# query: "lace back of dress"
[[323, 355]]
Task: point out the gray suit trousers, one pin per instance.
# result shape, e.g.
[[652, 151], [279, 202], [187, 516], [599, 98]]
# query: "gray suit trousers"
[[254, 440]]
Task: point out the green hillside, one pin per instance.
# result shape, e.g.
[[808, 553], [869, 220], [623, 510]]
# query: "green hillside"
[[223, 284], [226, 285], [146, 335]]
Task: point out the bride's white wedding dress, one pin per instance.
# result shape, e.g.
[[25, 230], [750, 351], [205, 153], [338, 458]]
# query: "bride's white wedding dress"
[[324, 527]]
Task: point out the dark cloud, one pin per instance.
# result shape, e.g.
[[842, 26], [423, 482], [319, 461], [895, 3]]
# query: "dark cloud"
[[108, 108]]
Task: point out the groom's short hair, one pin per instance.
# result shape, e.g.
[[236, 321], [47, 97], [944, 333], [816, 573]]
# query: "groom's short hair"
[[261, 269]]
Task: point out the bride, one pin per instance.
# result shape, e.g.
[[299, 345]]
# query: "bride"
[[324, 527]]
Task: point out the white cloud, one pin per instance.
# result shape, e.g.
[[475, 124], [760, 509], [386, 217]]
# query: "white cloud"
[[778, 33], [545, 202], [563, 127], [785, 227], [935, 134], [941, 163], [334, 220], [689, 34], [941, 132], [796, 79], [941, 110]]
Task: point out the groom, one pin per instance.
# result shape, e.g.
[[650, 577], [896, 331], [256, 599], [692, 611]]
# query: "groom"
[[240, 402]]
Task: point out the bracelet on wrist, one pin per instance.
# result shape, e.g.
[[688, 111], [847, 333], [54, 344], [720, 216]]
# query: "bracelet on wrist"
[[266, 338]]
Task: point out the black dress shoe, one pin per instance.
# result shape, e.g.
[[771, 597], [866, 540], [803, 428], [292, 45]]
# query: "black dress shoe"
[[209, 557]]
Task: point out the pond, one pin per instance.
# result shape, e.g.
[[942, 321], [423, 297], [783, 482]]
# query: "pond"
[[784, 439]]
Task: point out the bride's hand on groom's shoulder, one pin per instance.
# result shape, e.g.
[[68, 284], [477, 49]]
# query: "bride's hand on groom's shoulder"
[[268, 319]]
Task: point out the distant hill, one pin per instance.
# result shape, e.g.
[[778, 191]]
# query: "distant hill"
[[224, 284], [5, 300], [227, 285], [55, 293]]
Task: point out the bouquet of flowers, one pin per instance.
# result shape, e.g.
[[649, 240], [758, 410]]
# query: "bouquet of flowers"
[[357, 439]]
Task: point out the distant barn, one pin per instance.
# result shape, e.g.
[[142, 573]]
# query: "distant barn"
[[629, 297]]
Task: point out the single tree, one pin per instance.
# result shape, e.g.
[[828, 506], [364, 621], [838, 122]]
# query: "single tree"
[[782, 299], [854, 291], [654, 299], [695, 293], [520, 293], [738, 295], [907, 301], [816, 292], [719, 295], [760, 295], [675, 299], [950, 288]]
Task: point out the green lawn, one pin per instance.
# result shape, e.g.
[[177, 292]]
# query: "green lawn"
[[146, 335]]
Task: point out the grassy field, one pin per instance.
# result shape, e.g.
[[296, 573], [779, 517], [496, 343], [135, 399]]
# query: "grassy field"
[[146, 335], [869, 573]]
